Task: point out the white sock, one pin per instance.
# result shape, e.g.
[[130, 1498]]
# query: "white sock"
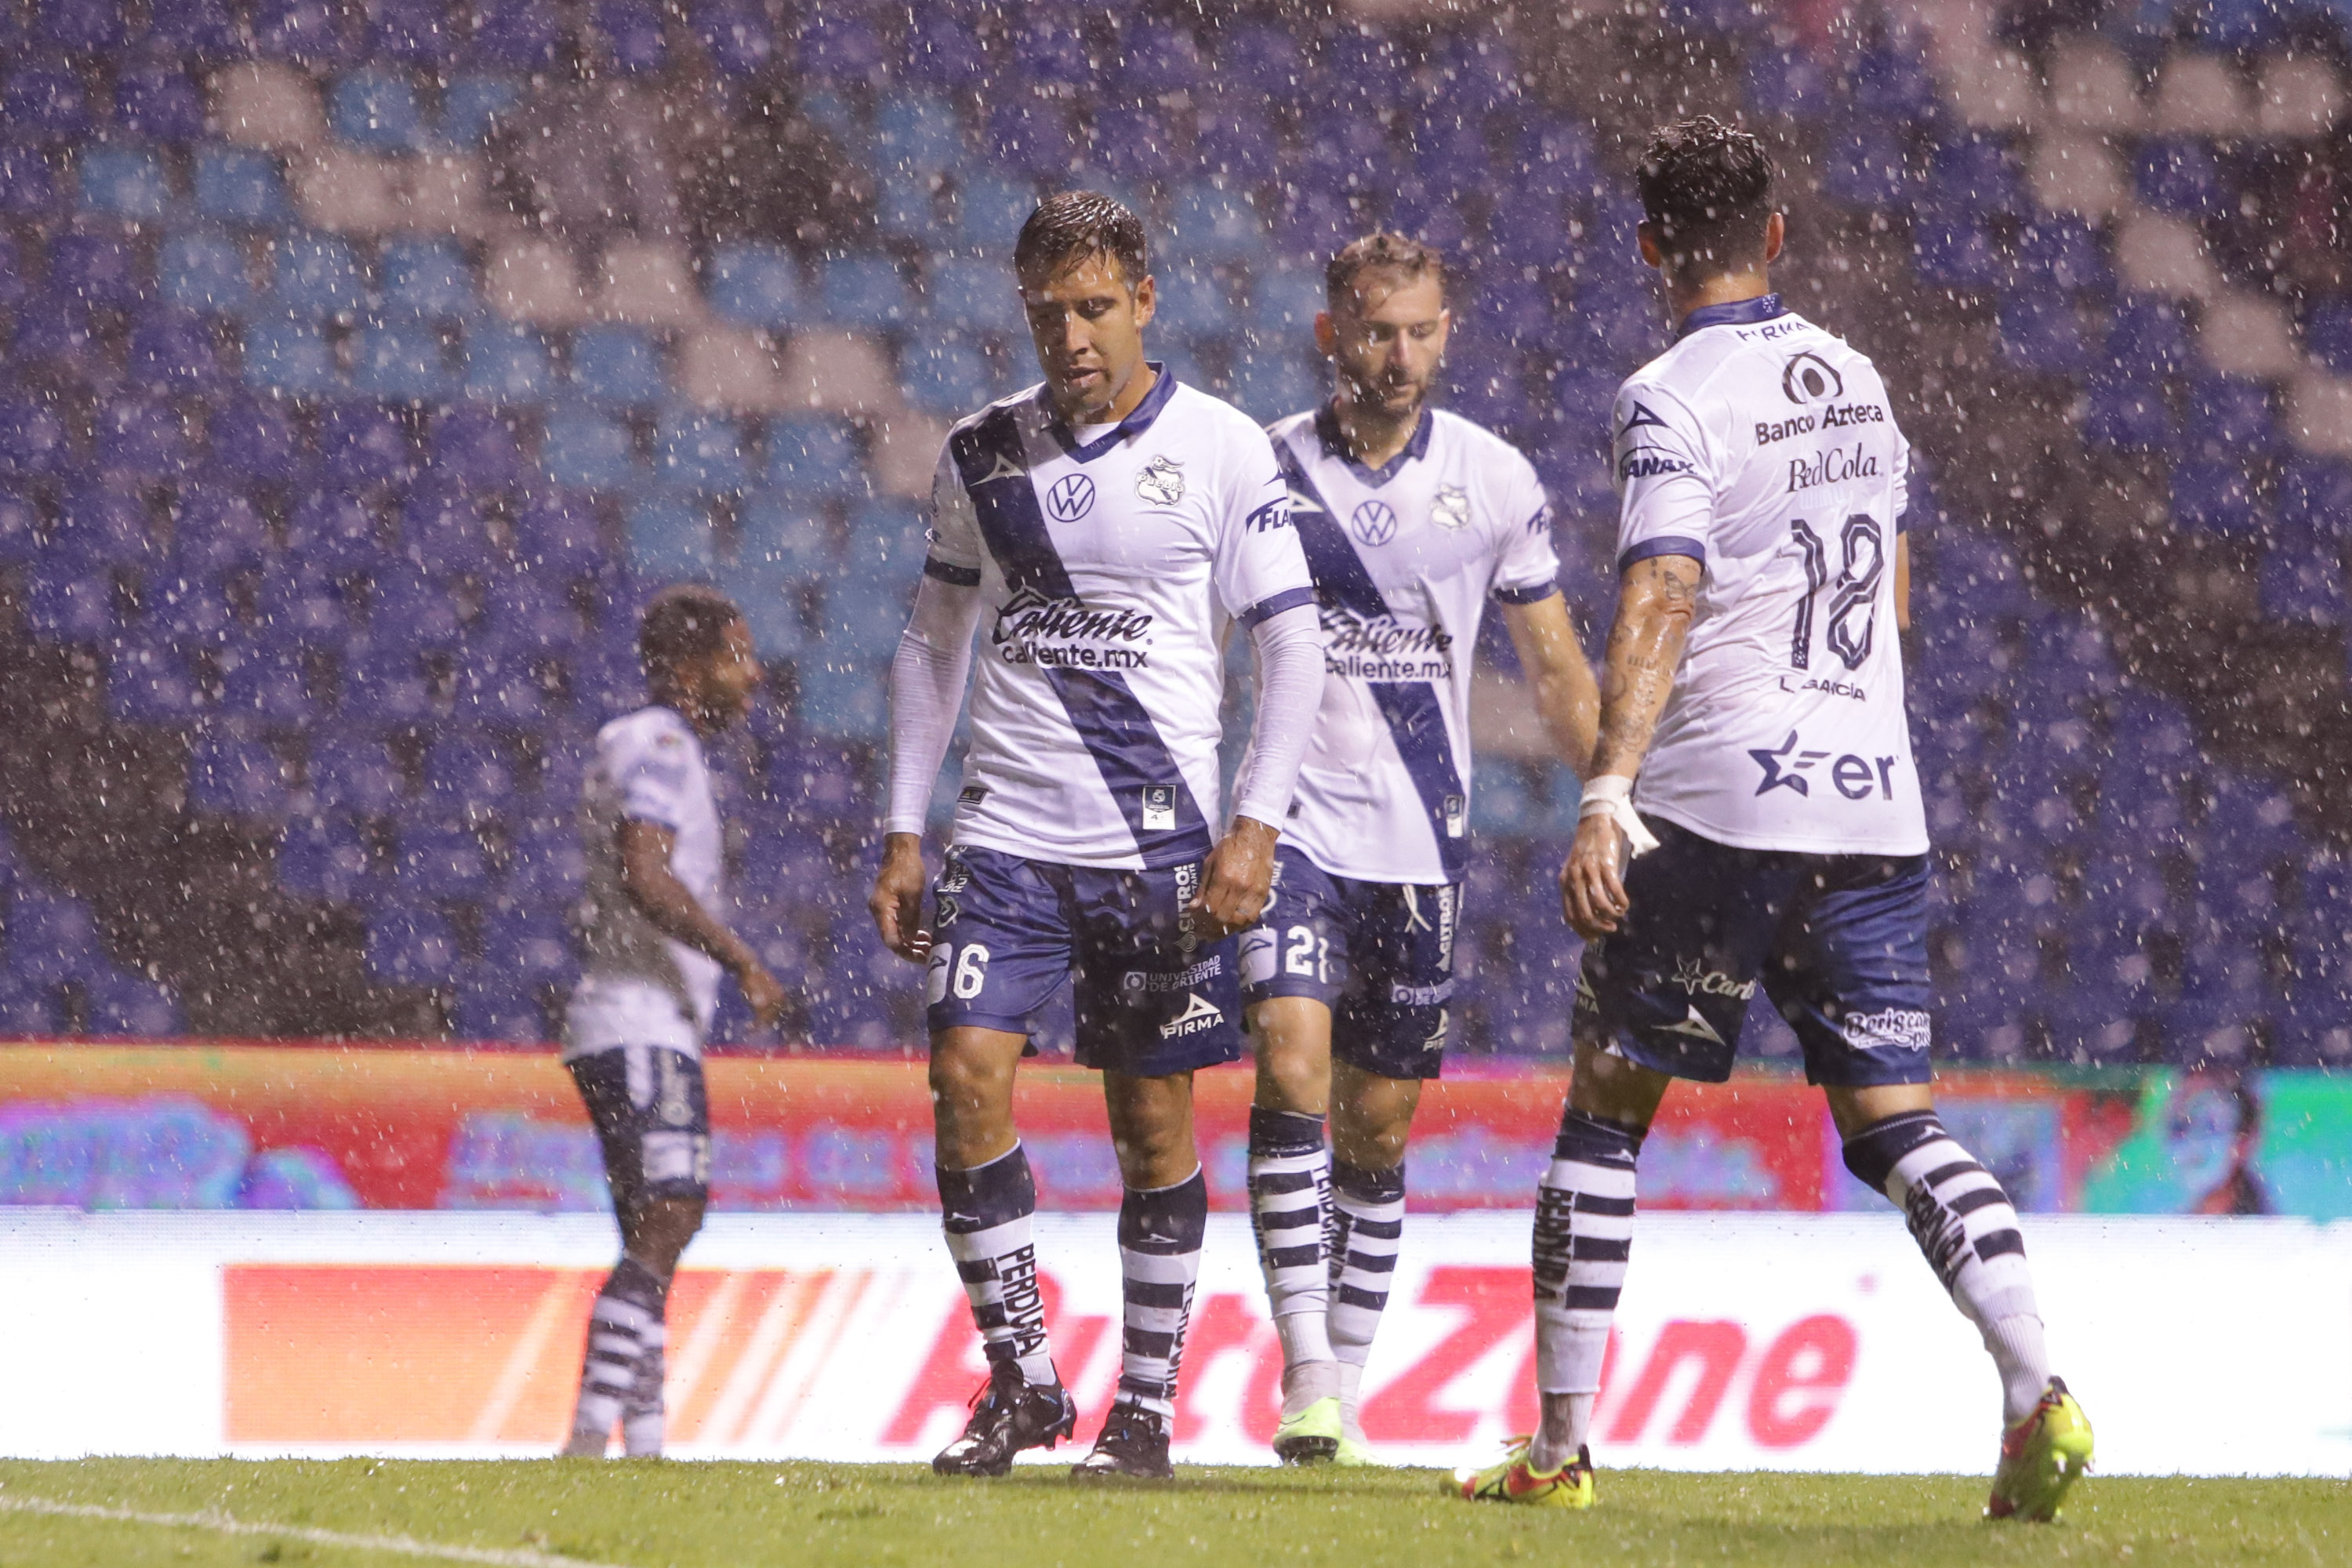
[[1583, 1241], [986, 1212], [1290, 1198], [1161, 1230], [1968, 1230], [1367, 1211]]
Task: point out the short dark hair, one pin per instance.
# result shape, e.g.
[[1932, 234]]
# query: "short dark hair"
[[1392, 251], [686, 620], [1072, 225], [1707, 189]]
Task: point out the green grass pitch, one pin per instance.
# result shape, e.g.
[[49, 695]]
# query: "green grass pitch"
[[650, 1514]]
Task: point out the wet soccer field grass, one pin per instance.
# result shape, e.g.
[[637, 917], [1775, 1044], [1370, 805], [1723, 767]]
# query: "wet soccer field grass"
[[537, 1514]]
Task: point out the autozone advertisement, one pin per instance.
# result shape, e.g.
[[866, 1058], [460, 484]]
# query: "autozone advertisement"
[[212, 1126], [1744, 1342]]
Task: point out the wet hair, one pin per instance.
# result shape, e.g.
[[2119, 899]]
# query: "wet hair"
[[685, 621], [1707, 189], [1073, 226], [1392, 252]]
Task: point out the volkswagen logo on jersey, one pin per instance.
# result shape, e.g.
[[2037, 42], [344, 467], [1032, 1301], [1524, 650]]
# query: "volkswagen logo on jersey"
[[1373, 523], [1809, 378], [1072, 497]]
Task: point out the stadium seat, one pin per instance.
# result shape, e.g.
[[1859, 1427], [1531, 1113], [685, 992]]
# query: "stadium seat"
[[557, 537], [142, 437], [2149, 337], [158, 104], [1194, 304], [947, 375], [314, 277], [44, 99], [32, 438], [333, 530], [2229, 417], [1954, 253], [122, 1006], [918, 133], [700, 452], [990, 210], [324, 856], [105, 524], [507, 365], [204, 29], [190, 609], [2042, 334], [524, 617], [2315, 498], [814, 456], [363, 444], [496, 1006], [203, 272], [1864, 165], [80, 26], [840, 699], [1213, 226], [409, 945], [2181, 176], [290, 357], [671, 539], [426, 277], [376, 108], [863, 291], [240, 185], [409, 603], [1270, 382], [439, 856], [265, 689], [466, 771], [964, 295], [174, 351], [2302, 588], [402, 362], [756, 285], [2063, 252], [53, 938], [616, 366], [353, 773], [586, 450], [96, 269], [443, 531], [471, 106], [149, 683], [123, 183], [237, 778]]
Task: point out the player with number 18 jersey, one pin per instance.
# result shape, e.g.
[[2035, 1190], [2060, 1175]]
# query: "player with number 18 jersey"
[[1763, 448]]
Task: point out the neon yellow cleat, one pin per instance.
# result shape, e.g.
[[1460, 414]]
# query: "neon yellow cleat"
[[1312, 1437], [1355, 1454], [1512, 1480], [2040, 1458]]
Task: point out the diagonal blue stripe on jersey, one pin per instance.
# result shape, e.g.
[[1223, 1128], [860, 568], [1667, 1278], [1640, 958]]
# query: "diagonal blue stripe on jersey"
[[1110, 720], [1416, 718]]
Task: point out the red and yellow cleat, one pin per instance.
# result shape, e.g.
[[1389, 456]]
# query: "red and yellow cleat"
[[1514, 1481], [2040, 1458]]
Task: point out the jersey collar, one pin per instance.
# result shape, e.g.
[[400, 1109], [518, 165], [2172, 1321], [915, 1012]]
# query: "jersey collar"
[[1738, 313], [1335, 443], [1138, 419]]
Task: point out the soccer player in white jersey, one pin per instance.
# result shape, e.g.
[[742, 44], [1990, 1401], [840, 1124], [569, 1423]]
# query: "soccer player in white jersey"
[[1753, 813], [653, 945], [1411, 519], [1109, 526]]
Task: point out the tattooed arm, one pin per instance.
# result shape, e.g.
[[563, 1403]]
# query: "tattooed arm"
[[1655, 603]]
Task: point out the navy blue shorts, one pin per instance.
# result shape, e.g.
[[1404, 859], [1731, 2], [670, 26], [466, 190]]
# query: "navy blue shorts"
[[1378, 954], [653, 1118], [1839, 941], [1150, 1002]]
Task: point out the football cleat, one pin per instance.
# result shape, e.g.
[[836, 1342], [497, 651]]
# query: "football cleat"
[[1008, 1415], [1355, 1454], [1134, 1445], [2042, 1458], [1514, 1481], [1312, 1437]]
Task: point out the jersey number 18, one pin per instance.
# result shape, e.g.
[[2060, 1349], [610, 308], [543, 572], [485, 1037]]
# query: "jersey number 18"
[[1854, 605]]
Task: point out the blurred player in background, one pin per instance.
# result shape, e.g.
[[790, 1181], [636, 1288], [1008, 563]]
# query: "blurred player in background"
[[1109, 526], [1411, 519], [1754, 685], [654, 946]]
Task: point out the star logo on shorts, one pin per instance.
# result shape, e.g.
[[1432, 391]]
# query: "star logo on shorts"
[[1778, 773]]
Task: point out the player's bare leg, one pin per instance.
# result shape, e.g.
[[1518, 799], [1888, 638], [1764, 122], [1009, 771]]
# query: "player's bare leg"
[[1162, 1221], [987, 1195]]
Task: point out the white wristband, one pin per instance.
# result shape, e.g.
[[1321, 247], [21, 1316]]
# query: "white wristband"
[[1612, 796]]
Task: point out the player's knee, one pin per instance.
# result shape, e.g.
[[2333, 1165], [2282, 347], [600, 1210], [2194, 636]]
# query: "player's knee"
[[661, 1229], [965, 1083]]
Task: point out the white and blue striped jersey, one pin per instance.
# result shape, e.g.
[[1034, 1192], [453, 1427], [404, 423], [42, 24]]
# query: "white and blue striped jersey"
[[1404, 559], [1110, 570], [1765, 448], [637, 986]]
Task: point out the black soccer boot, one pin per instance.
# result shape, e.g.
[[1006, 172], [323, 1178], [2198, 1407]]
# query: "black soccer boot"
[[1134, 1444], [1008, 1415]]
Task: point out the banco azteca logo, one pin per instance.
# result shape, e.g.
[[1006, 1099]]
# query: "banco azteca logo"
[[1809, 378], [1072, 497]]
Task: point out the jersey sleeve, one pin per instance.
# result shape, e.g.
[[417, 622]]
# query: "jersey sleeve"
[[1664, 482], [1525, 566], [954, 552], [1902, 483], [654, 770], [1260, 569]]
